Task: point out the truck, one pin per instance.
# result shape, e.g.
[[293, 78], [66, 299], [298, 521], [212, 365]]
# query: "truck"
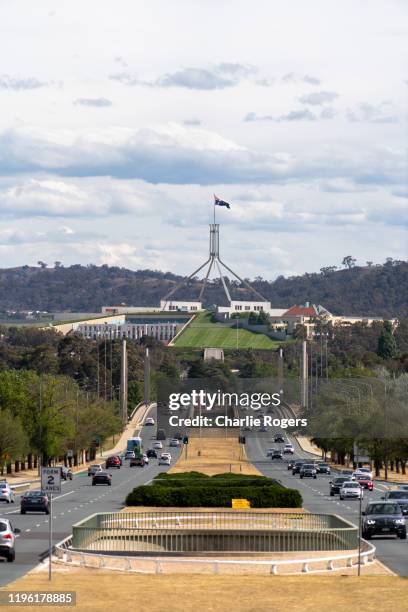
[[136, 445]]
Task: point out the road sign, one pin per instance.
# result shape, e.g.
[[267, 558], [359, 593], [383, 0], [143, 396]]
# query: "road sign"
[[240, 503], [70, 454], [51, 479]]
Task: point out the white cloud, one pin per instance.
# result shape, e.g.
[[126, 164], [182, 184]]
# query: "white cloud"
[[316, 98], [95, 102], [369, 113]]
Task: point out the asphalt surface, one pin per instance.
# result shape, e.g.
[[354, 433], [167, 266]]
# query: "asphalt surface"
[[316, 496], [77, 500]]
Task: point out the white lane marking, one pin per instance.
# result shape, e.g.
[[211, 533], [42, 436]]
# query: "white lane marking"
[[38, 525], [28, 530]]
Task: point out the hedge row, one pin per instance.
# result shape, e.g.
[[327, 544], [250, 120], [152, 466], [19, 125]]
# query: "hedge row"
[[270, 496], [193, 479]]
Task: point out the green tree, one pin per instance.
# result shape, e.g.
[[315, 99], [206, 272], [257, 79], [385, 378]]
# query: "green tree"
[[13, 439], [387, 346]]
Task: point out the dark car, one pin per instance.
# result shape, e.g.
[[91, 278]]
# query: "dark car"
[[308, 470], [279, 439], [323, 468], [137, 461], [66, 473], [400, 497], [383, 518], [35, 501], [113, 462], [291, 464], [102, 478], [178, 436], [277, 454], [335, 485], [151, 453], [297, 467], [161, 434]]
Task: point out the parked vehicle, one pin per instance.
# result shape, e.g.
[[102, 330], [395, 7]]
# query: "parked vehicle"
[[308, 470], [336, 484], [102, 478], [383, 518], [96, 467], [351, 489], [8, 536], [151, 453], [137, 461], [113, 462], [6, 493], [35, 501]]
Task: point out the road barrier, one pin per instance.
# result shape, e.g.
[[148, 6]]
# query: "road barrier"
[[159, 565], [214, 532]]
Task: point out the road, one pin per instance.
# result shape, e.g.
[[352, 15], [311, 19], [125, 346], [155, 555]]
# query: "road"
[[77, 500], [316, 498]]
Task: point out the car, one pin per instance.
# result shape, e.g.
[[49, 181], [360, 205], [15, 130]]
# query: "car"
[[351, 489], [279, 439], [34, 501], [400, 496], [323, 468], [8, 536], [164, 460], [166, 455], [113, 462], [247, 428], [270, 451], [151, 453], [137, 461], [277, 454], [384, 517], [365, 481], [288, 449], [363, 470], [336, 484], [102, 478], [348, 473], [291, 464], [157, 445], [263, 429], [178, 436], [297, 466], [66, 473], [146, 458], [150, 421], [161, 434], [308, 470], [6, 493], [174, 443], [130, 454], [403, 487], [96, 467]]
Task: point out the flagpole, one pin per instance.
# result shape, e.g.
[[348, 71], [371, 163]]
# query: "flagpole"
[[214, 212]]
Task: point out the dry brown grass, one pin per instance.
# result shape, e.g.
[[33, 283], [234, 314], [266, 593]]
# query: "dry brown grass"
[[214, 456], [101, 591]]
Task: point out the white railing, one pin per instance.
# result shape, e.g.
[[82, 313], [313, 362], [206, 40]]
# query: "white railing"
[[158, 565]]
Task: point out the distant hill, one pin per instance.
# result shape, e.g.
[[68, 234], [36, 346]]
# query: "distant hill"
[[379, 290]]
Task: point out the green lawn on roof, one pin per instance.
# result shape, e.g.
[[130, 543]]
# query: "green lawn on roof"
[[202, 333]]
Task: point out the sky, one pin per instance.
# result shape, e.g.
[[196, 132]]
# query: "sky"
[[120, 120]]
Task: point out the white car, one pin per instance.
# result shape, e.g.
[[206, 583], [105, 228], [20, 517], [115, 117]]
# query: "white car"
[[174, 442], [6, 493], [149, 421], [93, 469], [269, 452], [351, 489], [8, 536], [157, 444], [164, 459], [288, 448], [365, 471], [166, 455], [130, 455], [146, 459]]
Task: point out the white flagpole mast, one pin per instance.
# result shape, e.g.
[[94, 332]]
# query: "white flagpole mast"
[[214, 209]]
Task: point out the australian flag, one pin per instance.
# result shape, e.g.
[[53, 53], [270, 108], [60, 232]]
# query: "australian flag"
[[219, 202]]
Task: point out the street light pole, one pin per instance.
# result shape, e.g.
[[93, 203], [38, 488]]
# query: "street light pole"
[[359, 532]]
